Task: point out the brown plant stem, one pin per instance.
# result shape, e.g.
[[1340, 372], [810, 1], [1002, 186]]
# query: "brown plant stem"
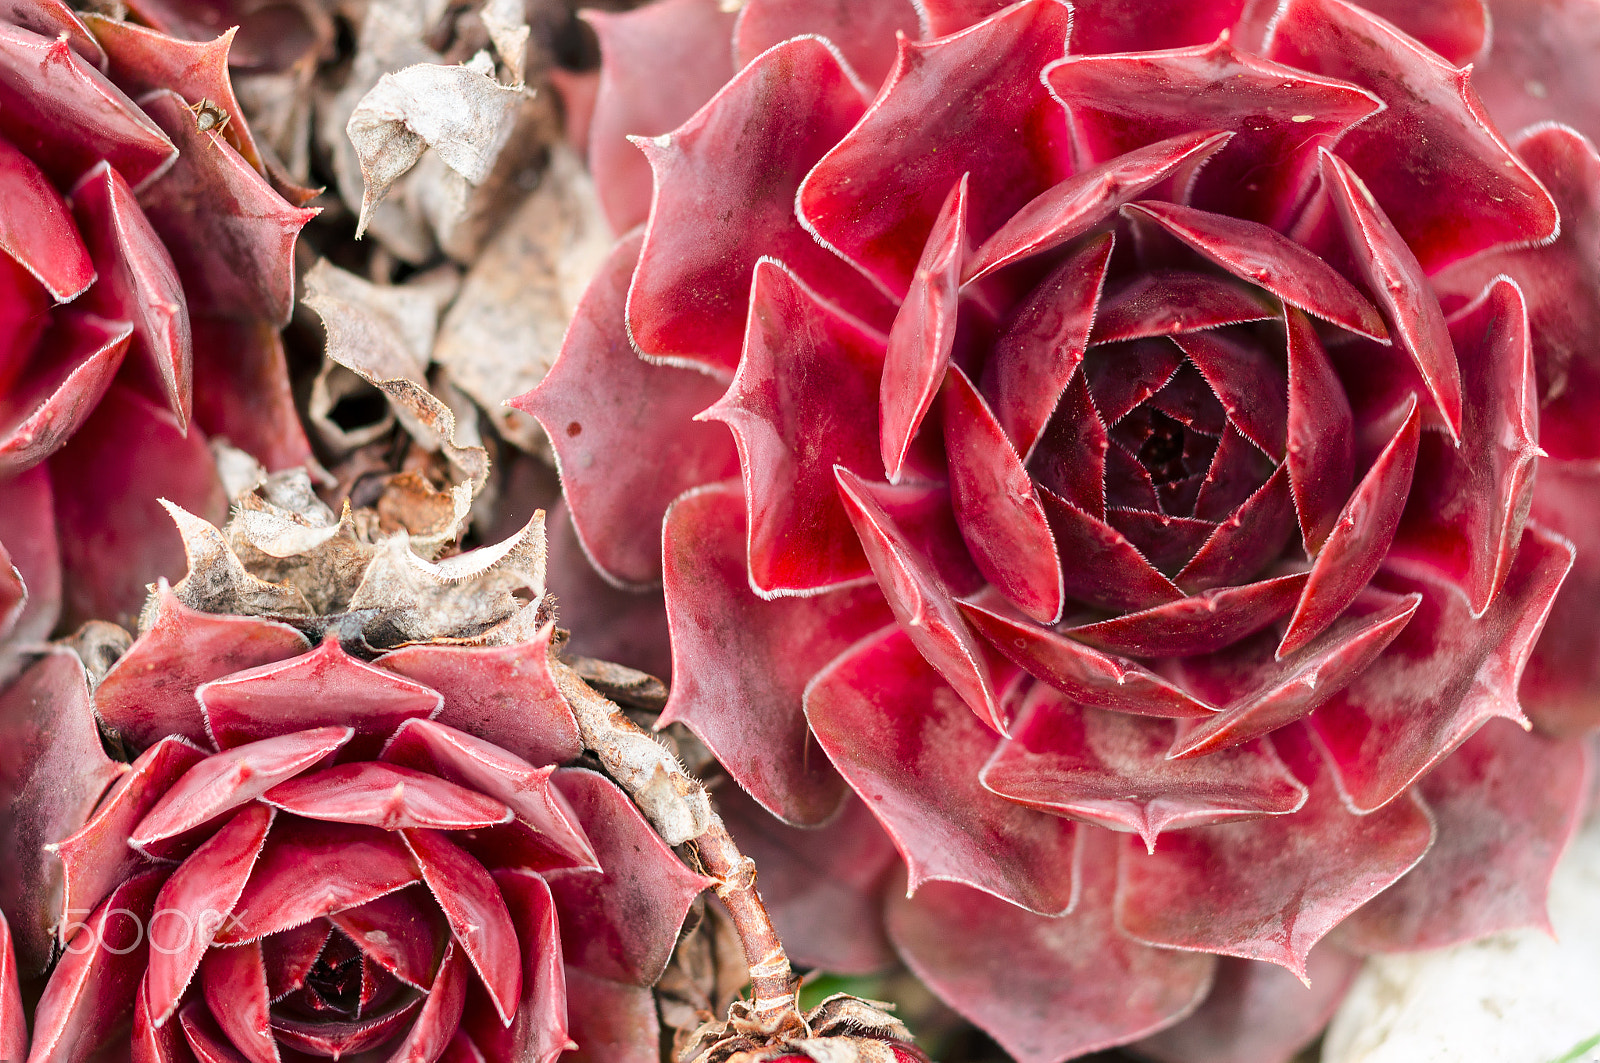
[[677, 806]]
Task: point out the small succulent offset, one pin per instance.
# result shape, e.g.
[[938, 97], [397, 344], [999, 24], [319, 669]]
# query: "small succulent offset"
[[1109, 431]]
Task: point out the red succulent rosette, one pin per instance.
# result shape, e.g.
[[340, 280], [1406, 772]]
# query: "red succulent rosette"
[[146, 272], [315, 855], [1109, 432]]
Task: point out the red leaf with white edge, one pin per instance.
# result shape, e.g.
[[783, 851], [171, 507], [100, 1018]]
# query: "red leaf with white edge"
[[539, 1032], [725, 187], [1107, 570], [326, 687], [1258, 1012], [1357, 545], [149, 693], [1040, 349], [1470, 502], [863, 33], [460, 758], [1459, 30], [1255, 253], [1445, 675], [741, 663], [1269, 889], [1068, 210], [1557, 690], [658, 65], [621, 922], [1507, 803], [924, 334], [314, 869], [1111, 769], [196, 903], [91, 989], [383, 795], [921, 601], [234, 985], [52, 18], [13, 1021], [1246, 380], [55, 396], [242, 390], [53, 771], [477, 914], [1279, 117], [805, 399], [54, 99], [1321, 434], [138, 282], [98, 857], [504, 695], [612, 1021], [601, 398], [1431, 157], [951, 16], [289, 957], [875, 195], [1128, 25], [440, 1016], [908, 745], [1165, 302], [402, 932], [1206, 623], [1047, 988], [223, 782], [318, 1036], [37, 230], [28, 536], [823, 887]]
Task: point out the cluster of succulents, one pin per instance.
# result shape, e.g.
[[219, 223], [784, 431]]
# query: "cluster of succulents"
[[1104, 494]]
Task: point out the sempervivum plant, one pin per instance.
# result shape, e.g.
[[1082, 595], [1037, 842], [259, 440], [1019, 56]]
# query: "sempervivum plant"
[[146, 271], [1109, 432], [339, 824]]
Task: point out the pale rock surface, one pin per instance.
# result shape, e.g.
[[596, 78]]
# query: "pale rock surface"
[[1521, 997]]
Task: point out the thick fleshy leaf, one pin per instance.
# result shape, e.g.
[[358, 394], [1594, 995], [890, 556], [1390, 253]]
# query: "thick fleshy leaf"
[[1081, 672], [599, 399], [1047, 988], [440, 1014], [313, 869], [1068, 210], [477, 914], [317, 1036], [13, 1022], [1430, 158], [91, 990], [117, 538], [1269, 889], [1470, 502], [921, 601], [1394, 277], [155, 1044], [1258, 1012], [1111, 769], [1037, 354], [805, 399], [1444, 676], [1107, 570], [230, 235], [725, 186], [503, 695], [402, 932], [823, 887], [996, 507], [620, 924], [924, 334], [1506, 803], [1262, 692], [55, 396], [221, 783], [196, 905], [1165, 302], [98, 857], [1321, 436], [460, 758], [326, 687], [68, 116], [742, 663], [1459, 30], [863, 33], [907, 744], [658, 65], [149, 693], [607, 623], [1278, 117], [52, 18], [53, 770], [1360, 538], [387, 796], [36, 228], [28, 537], [234, 985], [1206, 623], [539, 1032], [242, 390], [138, 282], [1563, 674], [1247, 381], [1255, 253], [875, 195], [612, 1022]]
